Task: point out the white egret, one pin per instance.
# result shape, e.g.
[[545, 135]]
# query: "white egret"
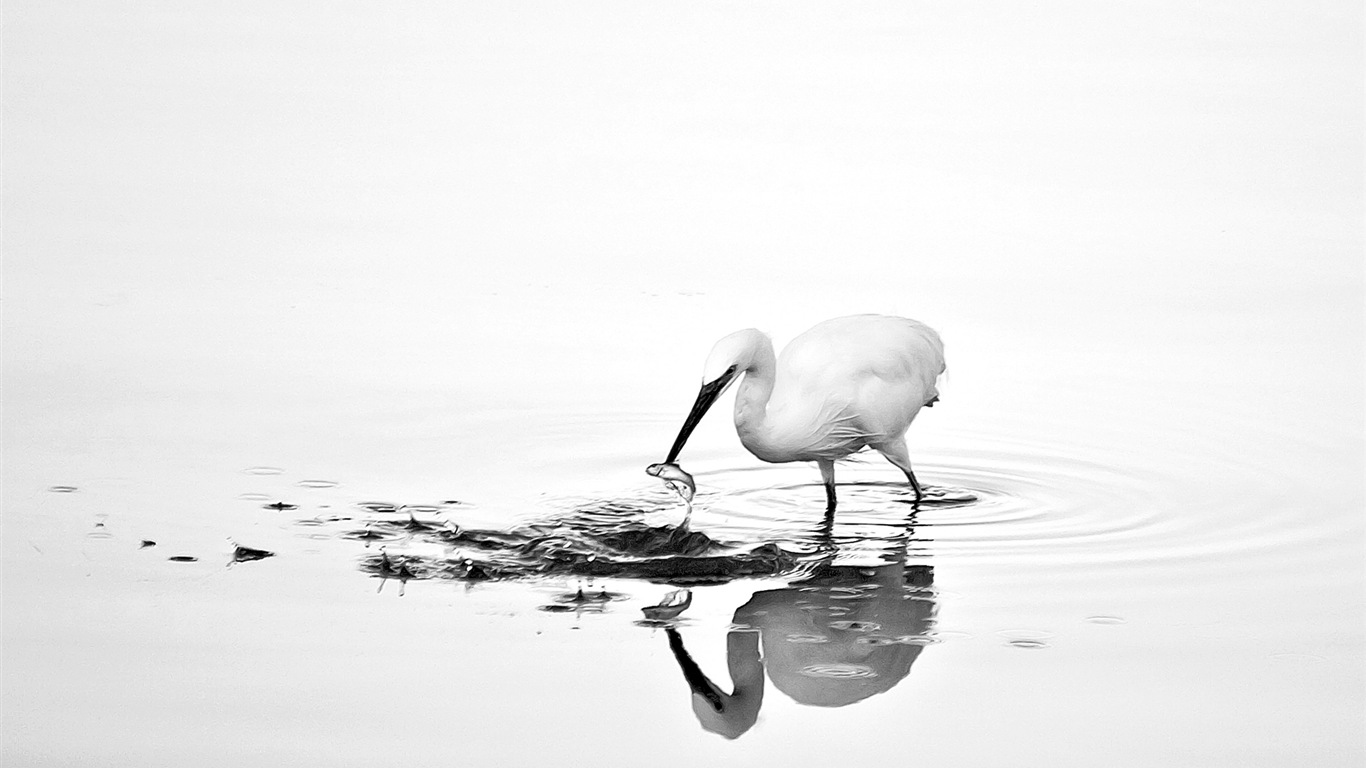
[[845, 384]]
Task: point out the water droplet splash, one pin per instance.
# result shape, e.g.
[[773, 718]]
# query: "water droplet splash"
[[607, 539]]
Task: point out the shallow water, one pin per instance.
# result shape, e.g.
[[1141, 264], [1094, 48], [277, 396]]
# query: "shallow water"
[[1067, 598], [325, 434]]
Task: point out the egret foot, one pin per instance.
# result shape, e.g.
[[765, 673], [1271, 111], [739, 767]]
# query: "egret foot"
[[915, 485]]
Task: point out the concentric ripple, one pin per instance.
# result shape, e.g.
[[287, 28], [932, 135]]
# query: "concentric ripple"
[[838, 671], [985, 502], [976, 505], [999, 502]]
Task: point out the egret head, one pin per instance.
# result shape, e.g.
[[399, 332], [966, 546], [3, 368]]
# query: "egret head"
[[727, 714], [739, 350], [732, 356]]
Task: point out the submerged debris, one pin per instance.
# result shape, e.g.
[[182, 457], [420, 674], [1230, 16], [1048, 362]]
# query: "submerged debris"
[[241, 554]]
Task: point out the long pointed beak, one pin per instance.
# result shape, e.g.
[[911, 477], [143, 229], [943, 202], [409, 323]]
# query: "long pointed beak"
[[705, 397]]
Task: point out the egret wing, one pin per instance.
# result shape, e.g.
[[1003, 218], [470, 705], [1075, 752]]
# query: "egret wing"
[[865, 375]]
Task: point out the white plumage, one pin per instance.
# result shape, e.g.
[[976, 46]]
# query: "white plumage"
[[844, 384]]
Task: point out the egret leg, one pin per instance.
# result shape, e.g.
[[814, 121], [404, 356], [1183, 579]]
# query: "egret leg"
[[897, 454], [828, 477]]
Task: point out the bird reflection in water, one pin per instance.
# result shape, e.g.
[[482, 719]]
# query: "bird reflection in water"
[[834, 638]]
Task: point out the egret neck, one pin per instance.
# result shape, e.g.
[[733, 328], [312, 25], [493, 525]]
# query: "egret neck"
[[751, 402]]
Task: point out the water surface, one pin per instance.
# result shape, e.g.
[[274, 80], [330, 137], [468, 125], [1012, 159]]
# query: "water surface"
[[410, 302]]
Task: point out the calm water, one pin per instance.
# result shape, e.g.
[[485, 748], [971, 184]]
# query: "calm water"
[[415, 317]]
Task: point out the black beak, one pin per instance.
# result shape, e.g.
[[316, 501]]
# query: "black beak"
[[705, 398]]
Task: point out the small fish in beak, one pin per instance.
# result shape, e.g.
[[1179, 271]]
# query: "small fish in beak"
[[674, 476]]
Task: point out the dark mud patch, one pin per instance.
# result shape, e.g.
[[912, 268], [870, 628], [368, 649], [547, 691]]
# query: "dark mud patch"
[[608, 539]]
